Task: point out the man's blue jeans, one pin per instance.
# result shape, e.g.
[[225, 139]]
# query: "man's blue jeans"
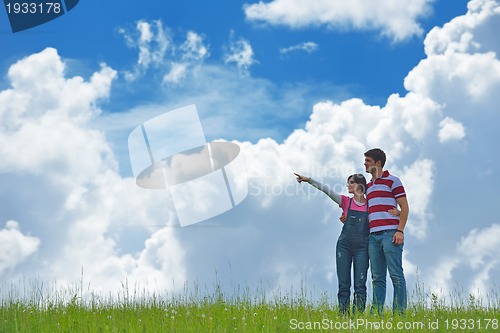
[[387, 256]]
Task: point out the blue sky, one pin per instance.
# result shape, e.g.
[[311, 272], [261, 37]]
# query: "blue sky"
[[299, 90], [352, 58]]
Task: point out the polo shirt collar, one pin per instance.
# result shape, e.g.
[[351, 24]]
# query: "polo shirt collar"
[[384, 175]]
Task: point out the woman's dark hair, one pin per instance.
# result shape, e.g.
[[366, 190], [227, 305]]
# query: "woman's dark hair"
[[359, 179], [376, 154]]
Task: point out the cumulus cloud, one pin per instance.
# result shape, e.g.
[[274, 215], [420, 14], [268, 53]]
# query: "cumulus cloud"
[[479, 246], [469, 33], [329, 147], [16, 247], [451, 130], [85, 214], [419, 184], [446, 90], [475, 257], [79, 207], [394, 19], [34, 113], [461, 58]]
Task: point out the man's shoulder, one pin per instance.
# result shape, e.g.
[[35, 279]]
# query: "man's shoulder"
[[390, 176]]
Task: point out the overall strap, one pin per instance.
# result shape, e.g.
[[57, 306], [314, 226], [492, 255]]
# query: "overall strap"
[[349, 207]]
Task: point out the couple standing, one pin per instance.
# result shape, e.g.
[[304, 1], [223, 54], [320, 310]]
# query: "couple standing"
[[373, 230]]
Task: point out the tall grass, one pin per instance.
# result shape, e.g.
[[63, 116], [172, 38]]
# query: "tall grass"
[[34, 307]]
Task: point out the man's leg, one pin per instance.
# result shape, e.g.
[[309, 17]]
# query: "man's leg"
[[378, 270], [394, 259]]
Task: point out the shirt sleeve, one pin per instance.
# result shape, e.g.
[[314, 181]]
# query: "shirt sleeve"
[[345, 204], [328, 191], [398, 190]]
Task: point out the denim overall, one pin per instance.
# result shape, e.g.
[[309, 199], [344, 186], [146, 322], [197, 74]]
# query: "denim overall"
[[352, 249]]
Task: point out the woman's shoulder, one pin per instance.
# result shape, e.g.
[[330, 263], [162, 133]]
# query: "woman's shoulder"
[[359, 204]]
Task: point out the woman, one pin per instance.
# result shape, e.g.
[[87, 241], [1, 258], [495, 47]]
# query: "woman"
[[352, 245]]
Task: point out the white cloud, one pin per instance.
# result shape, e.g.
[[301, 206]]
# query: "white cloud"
[[308, 47], [419, 113], [469, 33], [419, 183], [16, 247], [241, 53], [176, 73], [475, 257], [153, 43], [395, 19], [452, 76], [66, 173], [479, 246], [86, 215], [461, 58], [450, 130], [454, 82], [191, 54], [157, 50], [193, 48], [440, 277], [33, 114]]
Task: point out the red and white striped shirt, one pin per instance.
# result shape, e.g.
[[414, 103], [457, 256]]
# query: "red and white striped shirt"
[[381, 194]]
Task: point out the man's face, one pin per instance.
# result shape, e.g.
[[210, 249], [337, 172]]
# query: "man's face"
[[369, 164]]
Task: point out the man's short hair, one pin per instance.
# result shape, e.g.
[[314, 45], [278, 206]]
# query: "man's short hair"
[[376, 154]]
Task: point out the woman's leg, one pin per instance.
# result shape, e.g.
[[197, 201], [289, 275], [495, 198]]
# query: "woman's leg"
[[360, 263], [344, 261]]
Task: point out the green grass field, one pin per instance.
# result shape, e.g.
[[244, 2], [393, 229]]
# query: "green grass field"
[[34, 309]]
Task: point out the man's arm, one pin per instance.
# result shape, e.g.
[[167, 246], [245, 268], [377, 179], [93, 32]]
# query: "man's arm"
[[403, 217]]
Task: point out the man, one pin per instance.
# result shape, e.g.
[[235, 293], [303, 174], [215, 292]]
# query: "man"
[[385, 245]]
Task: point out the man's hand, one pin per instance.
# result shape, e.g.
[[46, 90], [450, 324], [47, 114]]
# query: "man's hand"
[[394, 212], [398, 238]]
